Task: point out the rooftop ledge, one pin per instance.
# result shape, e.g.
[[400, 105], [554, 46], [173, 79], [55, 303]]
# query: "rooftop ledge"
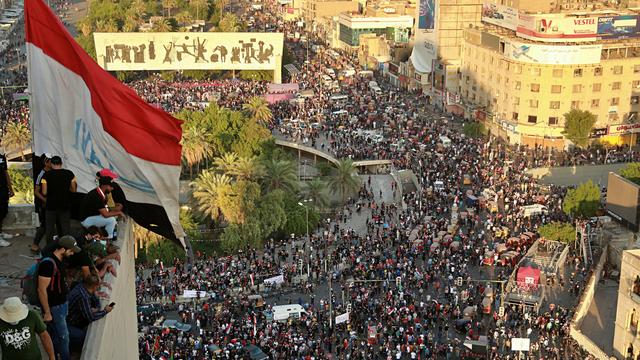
[[115, 336]]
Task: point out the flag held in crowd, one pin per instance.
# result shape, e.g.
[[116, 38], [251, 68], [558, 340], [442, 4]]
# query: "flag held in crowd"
[[93, 121]]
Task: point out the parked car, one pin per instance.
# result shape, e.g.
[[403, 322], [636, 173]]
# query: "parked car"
[[255, 353], [175, 324]]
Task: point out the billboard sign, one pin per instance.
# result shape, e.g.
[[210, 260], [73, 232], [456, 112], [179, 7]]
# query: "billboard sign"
[[557, 28], [552, 54], [427, 15], [425, 48], [623, 129], [189, 51], [500, 15], [623, 199], [623, 26]]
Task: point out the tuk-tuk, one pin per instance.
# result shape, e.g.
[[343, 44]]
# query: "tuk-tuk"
[[466, 179]]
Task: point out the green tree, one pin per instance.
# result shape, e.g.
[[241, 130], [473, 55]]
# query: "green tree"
[[474, 129], [162, 25], [168, 5], [87, 44], [558, 231], [240, 202], [225, 162], [184, 18], [316, 190], [279, 174], [583, 201], [229, 23], [324, 168], [258, 109], [195, 144], [201, 8], [297, 217], [631, 172], [209, 190], [22, 185], [578, 125], [344, 179], [246, 168], [16, 137]]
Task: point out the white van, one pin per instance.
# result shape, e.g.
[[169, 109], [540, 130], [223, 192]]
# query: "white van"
[[339, 97], [446, 142], [284, 312], [535, 209]]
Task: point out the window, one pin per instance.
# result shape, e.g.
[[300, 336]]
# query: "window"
[[554, 105], [533, 103], [595, 103], [535, 88], [635, 100], [556, 89], [615, 101], [597, 71], [535, 71], [636, 285], [577, 73], [558, 73], [617, 70], [616, 85], [636, 84], [532, 119], [636, 69], [596, 87], [518, 85], [575, 105], [516, 101], [514, 116], [577, 88], [518, 69], [553, 120]]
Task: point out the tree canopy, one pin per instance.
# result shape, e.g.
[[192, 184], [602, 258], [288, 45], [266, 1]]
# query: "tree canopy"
[[578, 125], [558, 231], [631, 172], [582, 202]]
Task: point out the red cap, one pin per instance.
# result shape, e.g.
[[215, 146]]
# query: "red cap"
[[109, 173]]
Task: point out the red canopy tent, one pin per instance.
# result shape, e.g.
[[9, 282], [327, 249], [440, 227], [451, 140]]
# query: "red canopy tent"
[[528, 277]]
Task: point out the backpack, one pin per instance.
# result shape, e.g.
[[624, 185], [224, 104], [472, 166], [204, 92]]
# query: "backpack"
[[29, 282]]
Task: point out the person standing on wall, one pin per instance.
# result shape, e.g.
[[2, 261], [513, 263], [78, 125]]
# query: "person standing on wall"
[[57, 185], [6, 191], [39, 202]]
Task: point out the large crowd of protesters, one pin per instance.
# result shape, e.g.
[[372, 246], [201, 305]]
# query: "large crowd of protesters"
[[410, 266], [397, 274]]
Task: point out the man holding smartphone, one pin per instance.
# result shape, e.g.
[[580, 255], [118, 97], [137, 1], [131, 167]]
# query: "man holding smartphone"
[[84, 308]]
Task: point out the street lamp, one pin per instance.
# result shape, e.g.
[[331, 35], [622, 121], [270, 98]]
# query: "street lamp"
[[306, 211]]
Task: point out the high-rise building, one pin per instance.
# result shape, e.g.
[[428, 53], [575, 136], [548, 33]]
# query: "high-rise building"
[[626, 338], [521, 72]]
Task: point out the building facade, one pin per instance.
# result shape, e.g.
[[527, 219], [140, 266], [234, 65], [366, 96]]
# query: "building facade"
[[626, 338], [525, 88], [321, 12], [351, 26]]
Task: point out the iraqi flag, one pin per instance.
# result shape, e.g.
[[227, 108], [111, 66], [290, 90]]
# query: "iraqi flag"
[[85, 115]]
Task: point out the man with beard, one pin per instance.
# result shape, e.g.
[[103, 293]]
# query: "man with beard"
[[95, 210]]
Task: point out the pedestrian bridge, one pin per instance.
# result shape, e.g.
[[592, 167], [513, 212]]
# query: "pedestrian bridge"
[[330, 158]]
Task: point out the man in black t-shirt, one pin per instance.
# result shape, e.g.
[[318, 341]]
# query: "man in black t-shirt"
[[6, 191], [39, 202], [117, 194], [57, 185], [52, 293]]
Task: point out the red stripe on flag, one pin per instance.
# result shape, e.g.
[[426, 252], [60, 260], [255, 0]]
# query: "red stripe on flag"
[[143, 130]]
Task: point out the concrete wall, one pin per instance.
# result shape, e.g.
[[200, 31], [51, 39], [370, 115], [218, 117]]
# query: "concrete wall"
[[21, 218], [116, 335], [583, 309]]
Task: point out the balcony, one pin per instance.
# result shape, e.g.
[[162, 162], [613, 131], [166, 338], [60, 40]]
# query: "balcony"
[[116, 335]]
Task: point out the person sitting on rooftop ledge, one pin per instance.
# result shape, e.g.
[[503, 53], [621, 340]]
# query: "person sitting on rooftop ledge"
[[95, 209]]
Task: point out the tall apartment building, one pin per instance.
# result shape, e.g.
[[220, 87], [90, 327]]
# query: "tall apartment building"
[[321, 11], [522, 72], [451, 18], [626, 338]]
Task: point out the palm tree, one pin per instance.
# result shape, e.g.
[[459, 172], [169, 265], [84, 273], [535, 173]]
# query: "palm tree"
[[279, 174], [344, 180], [209, 190], [85, 26], [184, 18], [246, 168], [106, 25], [316, 190], [225, 162], [16, 137], [169, 4], [139, 8], [258, 109], [199, 4], [162, 25], [195, 146], [229, 23]]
